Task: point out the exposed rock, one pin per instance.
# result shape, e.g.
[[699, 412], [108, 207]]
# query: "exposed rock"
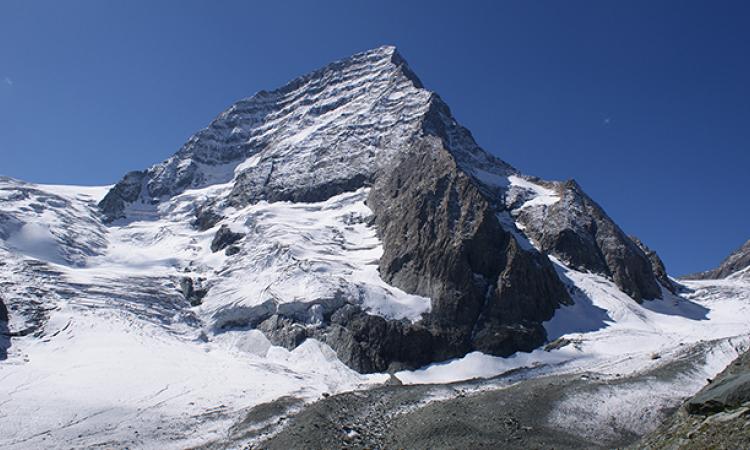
[[283, 331], [206, 218], [193, 290], [370, 343], [127, 191], [731, 390], [718, 416], [224, 237], [579, 232], [442, 239], [232, 250], [362, 341], [557, 344], [3, 311], [657, 265], [735, 262]]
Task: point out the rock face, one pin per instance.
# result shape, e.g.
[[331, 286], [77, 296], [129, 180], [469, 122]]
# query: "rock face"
[[224, 237], [442, 240], [579, 232], [734, 263], [3, 311], [126, 192], [441, 206], [657, 265], [193, 291]]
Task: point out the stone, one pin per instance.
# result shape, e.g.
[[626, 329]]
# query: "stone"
[[224, 237]]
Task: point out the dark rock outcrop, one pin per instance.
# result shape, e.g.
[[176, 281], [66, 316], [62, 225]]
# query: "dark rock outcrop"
[[3, 311], [738, 260], [442, 239], [718, 416], [193, 291], [364, 342], [224, 237], [127, 191], [232, 250], [731, 391], [657, 266], [579, 232], [4, 331], [206, 218]]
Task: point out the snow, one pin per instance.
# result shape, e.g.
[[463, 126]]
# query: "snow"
[[308, 252], [35, 240], [613, 335], [538, 194], [121, 351], [93, 193], [108, 375]]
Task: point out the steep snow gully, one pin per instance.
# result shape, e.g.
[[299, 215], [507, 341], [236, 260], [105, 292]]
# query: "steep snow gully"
[[339, 233]]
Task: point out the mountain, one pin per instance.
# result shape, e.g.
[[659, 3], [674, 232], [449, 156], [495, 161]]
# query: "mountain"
[[735, 265], [339, 234], [456, 223]]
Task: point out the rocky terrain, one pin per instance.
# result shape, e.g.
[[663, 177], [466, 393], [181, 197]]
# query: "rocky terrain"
[[338, 262], [717, 417]]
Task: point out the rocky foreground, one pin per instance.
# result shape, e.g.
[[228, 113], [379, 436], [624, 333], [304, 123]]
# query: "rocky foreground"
[[717, 417], [517, 410]]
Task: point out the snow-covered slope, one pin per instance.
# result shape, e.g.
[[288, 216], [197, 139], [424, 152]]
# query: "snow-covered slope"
[[112, 349], [121, 350]]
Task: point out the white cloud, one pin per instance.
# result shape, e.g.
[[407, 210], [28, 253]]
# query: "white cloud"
[[8, 81]]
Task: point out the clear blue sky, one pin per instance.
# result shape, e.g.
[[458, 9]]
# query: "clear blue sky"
[[645, 103]]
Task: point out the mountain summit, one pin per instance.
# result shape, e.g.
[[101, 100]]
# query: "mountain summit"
[[458, 225]]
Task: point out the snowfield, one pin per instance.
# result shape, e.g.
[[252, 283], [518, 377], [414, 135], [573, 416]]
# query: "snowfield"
[[121, 358]]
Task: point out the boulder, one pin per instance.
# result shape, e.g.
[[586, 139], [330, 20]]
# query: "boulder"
[[224, 237]]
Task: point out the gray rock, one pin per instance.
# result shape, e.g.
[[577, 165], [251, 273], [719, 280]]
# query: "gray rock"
[[580, 233], [729, 392], [206, 218], [224, 237], [657, 265], [716, 417], [125, 192], [283, 331], [193, 291], [442, 239]]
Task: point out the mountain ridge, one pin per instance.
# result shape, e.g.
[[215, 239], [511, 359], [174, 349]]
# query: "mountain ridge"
[[367, 122]]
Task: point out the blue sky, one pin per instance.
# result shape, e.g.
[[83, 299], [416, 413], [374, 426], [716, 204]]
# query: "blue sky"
[[645, 103]]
